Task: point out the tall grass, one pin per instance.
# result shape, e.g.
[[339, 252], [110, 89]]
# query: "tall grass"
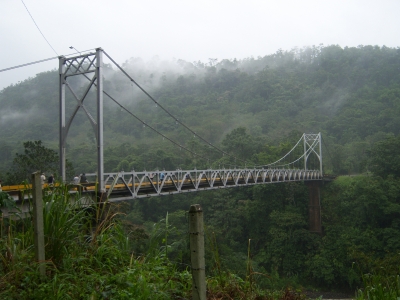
[[227, 285], [383, 278], [89, 255], [382, 287], [64, 223]]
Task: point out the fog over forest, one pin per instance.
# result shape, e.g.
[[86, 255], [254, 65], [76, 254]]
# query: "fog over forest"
[[255, 109], [329, 89]]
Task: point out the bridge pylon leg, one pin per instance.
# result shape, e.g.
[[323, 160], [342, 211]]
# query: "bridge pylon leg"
[[314, 207]]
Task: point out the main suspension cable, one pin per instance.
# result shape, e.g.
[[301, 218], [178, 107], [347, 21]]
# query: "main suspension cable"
[[285, 154], [311, 148], [152, 128], [164, 109], [145, 124]]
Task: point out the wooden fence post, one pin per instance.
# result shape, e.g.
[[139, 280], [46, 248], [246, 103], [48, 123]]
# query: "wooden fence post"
[[38, 222], [196, 234]]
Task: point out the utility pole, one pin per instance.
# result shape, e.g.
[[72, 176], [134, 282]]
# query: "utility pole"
[[196, 234], [38, 227]]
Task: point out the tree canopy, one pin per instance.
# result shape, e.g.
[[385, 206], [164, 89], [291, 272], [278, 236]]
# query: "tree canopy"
[[36, 157], [385, 157]]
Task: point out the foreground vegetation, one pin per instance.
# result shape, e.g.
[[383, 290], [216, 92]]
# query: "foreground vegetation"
[[89, 259], [103, 254], [382, 287]]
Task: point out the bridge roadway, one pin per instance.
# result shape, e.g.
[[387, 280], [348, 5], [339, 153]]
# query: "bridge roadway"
[[124, 186], [131, 185]]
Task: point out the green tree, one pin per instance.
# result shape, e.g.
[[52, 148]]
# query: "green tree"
[[240, 143], [384, 157], [36, 157]]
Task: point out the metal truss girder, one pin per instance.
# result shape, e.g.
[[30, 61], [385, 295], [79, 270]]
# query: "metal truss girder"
[[80, 67], [131, 185], [80, 73]]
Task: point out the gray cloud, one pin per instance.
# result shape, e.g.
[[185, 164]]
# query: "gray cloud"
[[188, 30]]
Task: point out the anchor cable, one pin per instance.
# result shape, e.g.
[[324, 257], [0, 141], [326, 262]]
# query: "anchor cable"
[[39, 28]]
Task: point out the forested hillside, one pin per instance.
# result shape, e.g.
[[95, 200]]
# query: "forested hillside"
[[351, 95], [256, 109]]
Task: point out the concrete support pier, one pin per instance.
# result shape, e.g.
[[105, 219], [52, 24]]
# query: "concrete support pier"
[[314, 207]]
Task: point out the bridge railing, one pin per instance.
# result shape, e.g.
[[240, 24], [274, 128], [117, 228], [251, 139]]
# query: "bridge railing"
[[129, 185]]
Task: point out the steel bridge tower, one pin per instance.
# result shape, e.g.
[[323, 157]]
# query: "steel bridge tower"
[[312, 145], [89, 66]]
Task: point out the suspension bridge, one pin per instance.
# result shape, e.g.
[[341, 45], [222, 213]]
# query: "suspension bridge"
[[129, 185], [120, 186]]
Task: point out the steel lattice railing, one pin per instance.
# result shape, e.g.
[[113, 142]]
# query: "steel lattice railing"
[[129, 185]]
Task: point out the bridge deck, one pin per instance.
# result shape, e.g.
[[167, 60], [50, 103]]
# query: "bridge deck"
[[131, 185], [127, 186]]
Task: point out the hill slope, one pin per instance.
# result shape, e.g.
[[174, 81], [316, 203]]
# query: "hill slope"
[[351, 95]]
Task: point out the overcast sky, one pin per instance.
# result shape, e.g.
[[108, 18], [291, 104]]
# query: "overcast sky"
[[189, 30]]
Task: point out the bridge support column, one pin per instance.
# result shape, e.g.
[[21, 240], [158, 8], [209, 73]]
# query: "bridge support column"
[[314, 207]]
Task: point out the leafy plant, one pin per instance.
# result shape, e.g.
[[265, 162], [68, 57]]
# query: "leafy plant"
[[382, 287]]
